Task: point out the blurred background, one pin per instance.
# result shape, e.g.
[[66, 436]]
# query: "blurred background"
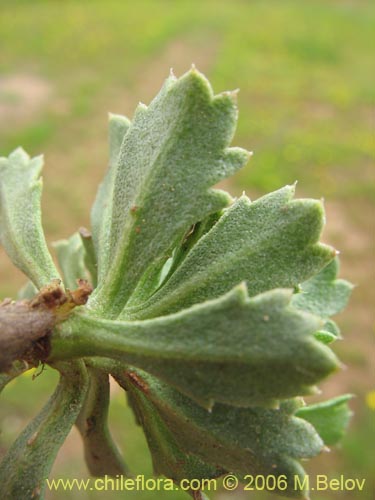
[[305, 70]]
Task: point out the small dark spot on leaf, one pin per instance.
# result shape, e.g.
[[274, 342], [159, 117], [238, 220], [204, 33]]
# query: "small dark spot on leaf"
[[137, 381]]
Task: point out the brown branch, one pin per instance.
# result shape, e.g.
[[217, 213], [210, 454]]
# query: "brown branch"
[[26, 325]]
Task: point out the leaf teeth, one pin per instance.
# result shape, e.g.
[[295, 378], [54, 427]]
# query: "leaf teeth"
[[270, 243], [324, 294], [174, 151], [243, 441], [19, 155], [330, 418], [235, 350]]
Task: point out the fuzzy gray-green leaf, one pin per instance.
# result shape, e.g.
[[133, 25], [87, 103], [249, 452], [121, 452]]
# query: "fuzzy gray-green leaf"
[[233, 349], [28, 462], [173, 152], [270, 243], [330, 418], [71, 254], [89, 255], [21, 231], [324, 294], [240, 440], [102, 207], [167, 456]]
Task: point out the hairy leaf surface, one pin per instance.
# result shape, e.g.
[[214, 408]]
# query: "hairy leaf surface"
[[240, 440], [233, 349], [330, 418], [324, 294], [30, 458], [270, 243], [71, 258], [21, 231], [102, 207], [172, 154]]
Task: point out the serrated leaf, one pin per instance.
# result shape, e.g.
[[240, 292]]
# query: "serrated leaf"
[[270, 243], [324, 294], [71, 256], [30, 458], [330, 418], [21, 231], [233, 349], [101, 453], [172, 154], [101, 210], [240, 440]]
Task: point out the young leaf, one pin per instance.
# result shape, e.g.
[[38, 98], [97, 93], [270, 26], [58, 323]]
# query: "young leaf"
[[21, 231], [324, 294], [101, 454], [233, 349], [89, 255], [330, 418], [71, 255], [270, 243], [240, 440], [325, 336], [29, 460], [172, 154]]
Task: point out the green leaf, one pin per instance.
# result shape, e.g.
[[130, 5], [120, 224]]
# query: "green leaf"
[[330, 418], [173, 152], [323, 294], [270, 243], [167, 456], [102, 207], [89, 255], [233, 349], [101, 454], [325, 336], [71, 255], [30, 458], [157, 274], [191, 238], [240, 440], [329, 333], [21, 231]]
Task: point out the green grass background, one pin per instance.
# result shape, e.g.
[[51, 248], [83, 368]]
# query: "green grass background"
[[305, 70]]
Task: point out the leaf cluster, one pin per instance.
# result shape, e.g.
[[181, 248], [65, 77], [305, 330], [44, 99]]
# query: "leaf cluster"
[[213, 313]]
